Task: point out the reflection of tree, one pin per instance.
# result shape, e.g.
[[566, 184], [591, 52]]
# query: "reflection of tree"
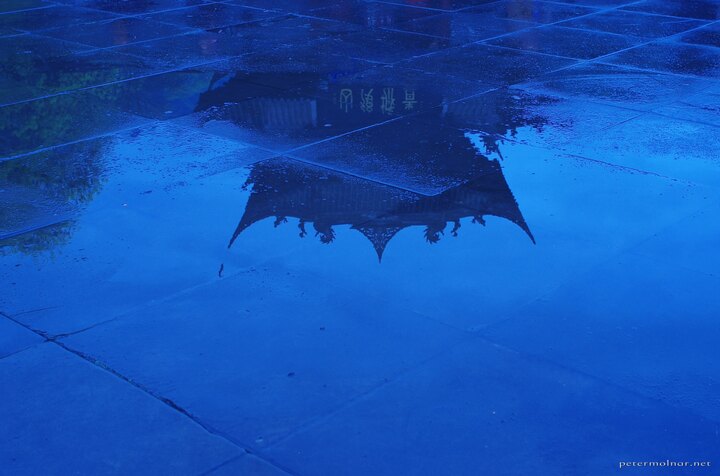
[[62, 73], [44, 122], [38, 241], [74, 178], [52, 185], [498, 114], [48, 186]]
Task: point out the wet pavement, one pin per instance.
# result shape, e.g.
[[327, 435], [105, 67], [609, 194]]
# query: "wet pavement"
[[433, 237]]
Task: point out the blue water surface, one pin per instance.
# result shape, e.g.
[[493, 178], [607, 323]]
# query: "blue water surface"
[[350, 238]]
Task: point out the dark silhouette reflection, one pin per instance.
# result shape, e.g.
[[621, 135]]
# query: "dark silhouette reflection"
[[430, 168], [325, 199], [43, 193]]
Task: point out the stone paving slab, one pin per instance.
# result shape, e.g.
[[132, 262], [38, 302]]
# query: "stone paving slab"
[[64, 412], [484, 405], [358, 237], [14, 337]]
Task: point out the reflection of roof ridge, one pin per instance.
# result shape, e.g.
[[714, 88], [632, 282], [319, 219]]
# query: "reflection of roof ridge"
[[379, 236], [377, 211], [275, 112]]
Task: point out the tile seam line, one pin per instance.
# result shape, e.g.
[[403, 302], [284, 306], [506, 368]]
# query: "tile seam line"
[[20, 351], [33, 228], [95, 48], [315, 421], [598, 379], [631, 68], [154, 302], [586, 60], [25, 10], [118, 15], [121, 81], [602, 32], [588, 271], [287, 154], [167, 402], [599, 59], [457, 10], [207, 30], [534, 26], [163, 400], [211, 471], [624, 9], [78, 141]]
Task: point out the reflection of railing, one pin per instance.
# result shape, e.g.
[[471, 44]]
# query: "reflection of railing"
[[275, 113]]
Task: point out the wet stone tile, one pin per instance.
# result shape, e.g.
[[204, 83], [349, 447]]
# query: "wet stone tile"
[[397, 90], [408, 153], [179, 93], [115, 32], [600, 3], [499, 66], [462, 28], [527, 236], [709, 35], [55, 186], [687, 243], [6, 32], [54, 17], [42, 190], [132, 7], [28, 48], [373, 45], [514, 115], [296, 220], [484, 399], [75, 203], [247, 464], [291, 67], [289, 6], [444, 5], [567, 42], [701, 107], [630, 88], [87, 418], [536, 12], [186, 50], [672, 58], [258, 122], [14, 337], [78, 71], [214, 15], [343, 99], [701, 9], [19, 60], [634, 24], [56, 120], [286, 31], [655, 343], [17, 5], [287, 368], [371, 14], [667, 146]]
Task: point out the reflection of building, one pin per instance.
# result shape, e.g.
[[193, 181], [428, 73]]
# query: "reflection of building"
[[442, 158], [325, 199]]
